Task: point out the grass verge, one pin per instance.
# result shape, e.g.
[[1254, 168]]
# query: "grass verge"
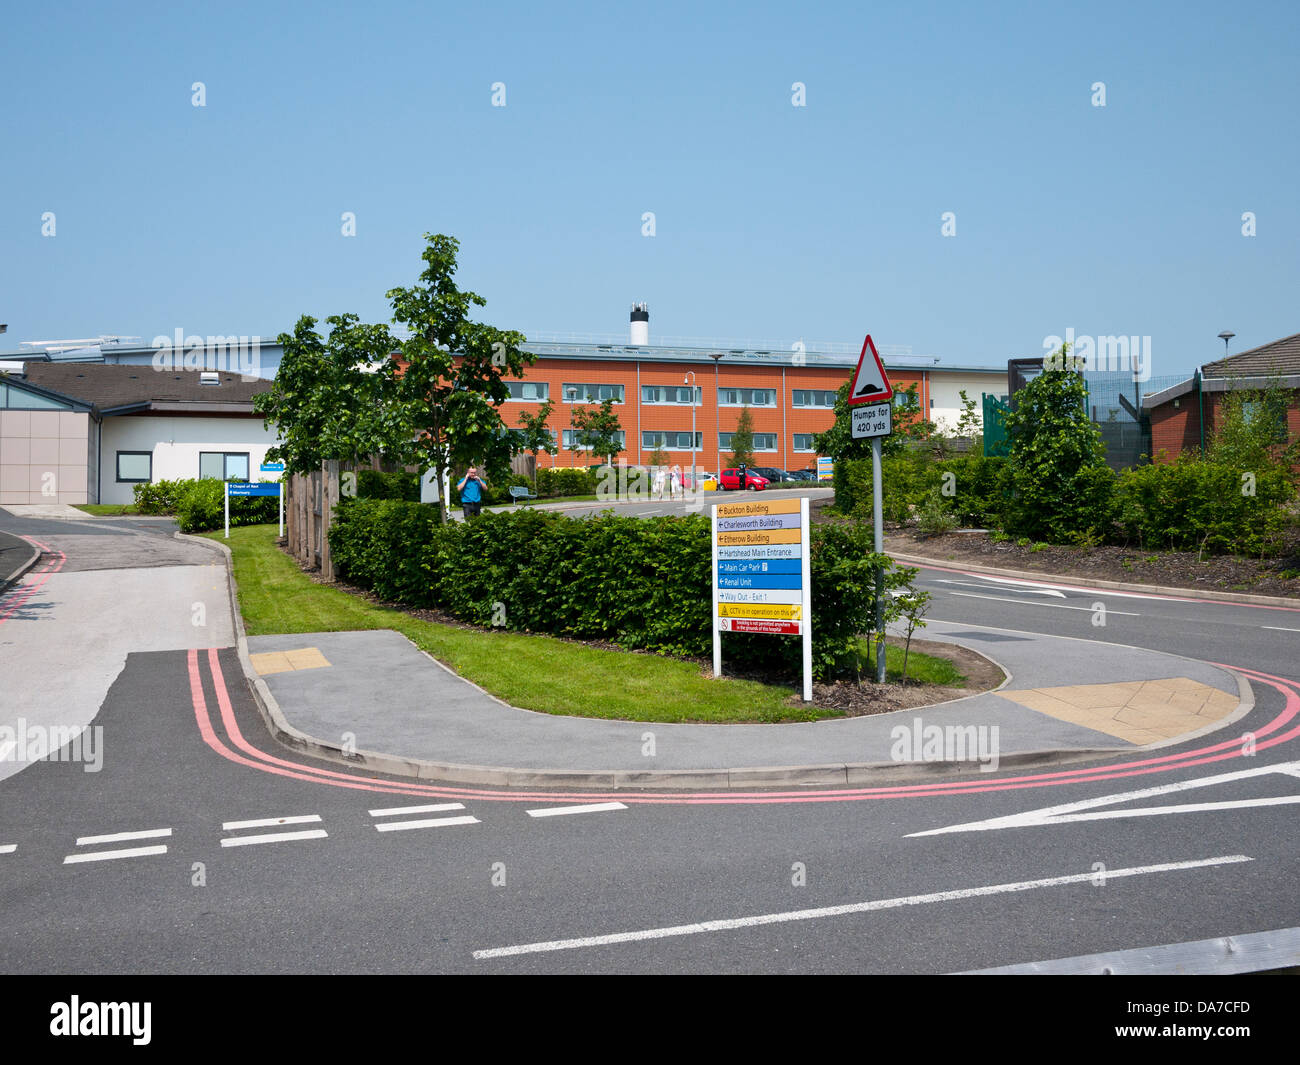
[[108, 510]]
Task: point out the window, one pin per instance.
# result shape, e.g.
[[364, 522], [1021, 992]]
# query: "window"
[[902, 401], [813, 397], [518, 435], [529, 391], [134, 467], [803, 441], [224, 465], [672, 441], [762, 441], [670, 394], [584, 393], [571, 436], [747, 397], [15, 398]]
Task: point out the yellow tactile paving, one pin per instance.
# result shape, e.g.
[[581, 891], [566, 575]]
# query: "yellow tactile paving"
[[1141, 712], [285, 661]]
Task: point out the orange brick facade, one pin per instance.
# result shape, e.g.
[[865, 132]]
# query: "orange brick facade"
[[783, 420]]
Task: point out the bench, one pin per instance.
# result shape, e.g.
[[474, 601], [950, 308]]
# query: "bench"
[[519, 492]]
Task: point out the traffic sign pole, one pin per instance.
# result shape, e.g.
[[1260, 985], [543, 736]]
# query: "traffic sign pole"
[[281, 508], [226, 486], [806, 575], [877, 518]]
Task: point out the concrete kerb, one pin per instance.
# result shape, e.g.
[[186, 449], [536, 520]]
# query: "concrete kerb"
[[1092, 582], [7, 580], [832, 775]]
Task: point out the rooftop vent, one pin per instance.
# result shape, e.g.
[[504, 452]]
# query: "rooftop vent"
[[209, 377]]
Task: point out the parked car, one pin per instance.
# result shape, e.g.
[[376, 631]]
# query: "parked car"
[[753, 481], [775, 476], [804, 475]]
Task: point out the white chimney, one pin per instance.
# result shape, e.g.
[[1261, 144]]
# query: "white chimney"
[[640, 332]]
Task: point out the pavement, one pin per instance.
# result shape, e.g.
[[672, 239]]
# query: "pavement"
[[1064, 699]]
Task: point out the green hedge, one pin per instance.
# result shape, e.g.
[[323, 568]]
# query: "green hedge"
[[1193, 505], [643, 584], [372, 484], [199, 505], [977, 495], [561, 481]]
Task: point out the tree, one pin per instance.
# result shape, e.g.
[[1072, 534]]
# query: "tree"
[[327, 401], [742, 440], [1062, 487], [838, 443], [449, 389], [1253, 433], [596, 429], [535, 436]]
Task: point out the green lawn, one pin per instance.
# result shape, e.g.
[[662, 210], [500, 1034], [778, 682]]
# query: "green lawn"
[[536, 672], [108, 510]]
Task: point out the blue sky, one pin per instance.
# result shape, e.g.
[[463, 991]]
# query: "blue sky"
[[772, 221]]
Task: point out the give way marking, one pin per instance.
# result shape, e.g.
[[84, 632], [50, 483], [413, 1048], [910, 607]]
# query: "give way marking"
[[1084, 810]]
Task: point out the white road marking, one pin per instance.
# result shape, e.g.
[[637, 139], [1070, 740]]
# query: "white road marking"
[[590, 808], [1050, 815], [1030, 602], [120, 837], [436, 808], [273, 837], [1275, 628], [102, 856], [1022, 586], [271, 822], [8, 848], [851, 908], [431, 822]]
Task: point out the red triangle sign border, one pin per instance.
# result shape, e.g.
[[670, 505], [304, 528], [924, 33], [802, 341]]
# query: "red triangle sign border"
[[858, 383]]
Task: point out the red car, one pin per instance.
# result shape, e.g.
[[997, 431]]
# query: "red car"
[[731, 480]]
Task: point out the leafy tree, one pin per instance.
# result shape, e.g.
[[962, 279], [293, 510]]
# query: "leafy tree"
[[1062, 487], [909, 424], [449, 389], [535, 436], [970, 424], [327, 401], [597, 429], [1253, 433], [742, 440]]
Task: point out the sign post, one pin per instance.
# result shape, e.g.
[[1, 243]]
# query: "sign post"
[[250, 488], [871, 411], [276, 467], [761, 574]]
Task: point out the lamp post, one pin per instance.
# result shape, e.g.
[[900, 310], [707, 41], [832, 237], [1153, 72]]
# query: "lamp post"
[[1225, 336], [689, 379], [716, 356]]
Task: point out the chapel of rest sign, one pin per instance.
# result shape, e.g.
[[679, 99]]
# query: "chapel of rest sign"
[[761, 579]]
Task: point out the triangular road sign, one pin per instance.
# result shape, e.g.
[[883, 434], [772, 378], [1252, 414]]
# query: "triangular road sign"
[[870, 385]]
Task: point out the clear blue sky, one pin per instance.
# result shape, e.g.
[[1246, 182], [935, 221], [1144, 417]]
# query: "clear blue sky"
[[820, 222]]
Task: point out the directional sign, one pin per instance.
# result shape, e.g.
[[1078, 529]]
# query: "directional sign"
[[875, 420], [272, 467], [870, 385], [248, 488]]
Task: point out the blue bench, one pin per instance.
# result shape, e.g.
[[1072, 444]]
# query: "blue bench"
[[519, 492]]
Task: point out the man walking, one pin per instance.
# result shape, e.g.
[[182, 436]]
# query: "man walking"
[[471, 493]]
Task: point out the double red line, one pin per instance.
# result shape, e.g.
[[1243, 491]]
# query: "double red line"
[[33, 582]]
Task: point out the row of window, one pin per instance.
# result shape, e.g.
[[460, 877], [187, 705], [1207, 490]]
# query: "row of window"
[[671, 440], [136, 467], [540, 391]]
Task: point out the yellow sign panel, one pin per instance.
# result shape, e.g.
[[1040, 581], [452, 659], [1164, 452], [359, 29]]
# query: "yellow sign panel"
[[759, 539], [773, 611], [758, 508]]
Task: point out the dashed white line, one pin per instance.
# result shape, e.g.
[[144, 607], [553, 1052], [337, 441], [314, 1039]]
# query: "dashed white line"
[[121, 837], [589, 808], [271, 822], [1034, 602], [103, 856], [435, 808], [856, 907], [8, 848], [431, 822], [274, 837], [1278, 628]]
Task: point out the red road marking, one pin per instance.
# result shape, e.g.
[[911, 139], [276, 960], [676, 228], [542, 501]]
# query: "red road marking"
[[28, 590], [1165, 763]]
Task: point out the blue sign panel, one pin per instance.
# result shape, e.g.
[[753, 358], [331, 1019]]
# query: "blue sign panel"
[[247, 488], [272, 467], [762, 580], [774, 565]]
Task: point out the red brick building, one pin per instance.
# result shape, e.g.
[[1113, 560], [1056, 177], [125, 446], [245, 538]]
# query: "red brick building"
[[1185, 416]]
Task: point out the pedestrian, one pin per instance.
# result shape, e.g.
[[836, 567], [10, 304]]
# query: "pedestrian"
[[657, 487], [676, 484], [471, 493]]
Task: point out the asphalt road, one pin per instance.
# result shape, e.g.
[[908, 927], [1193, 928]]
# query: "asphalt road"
[[806, 881]]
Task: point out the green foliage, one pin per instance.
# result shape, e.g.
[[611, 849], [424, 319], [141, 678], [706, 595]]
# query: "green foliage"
[[979, 487], [565, 481], [742, 440], [596, 429], [1194, 504], [1061, 486], [200, 507], [326, 403], [1252, 433], [535, 437], [372, 484], [640, 583], [838, 443], [933, 518], [160, 497]]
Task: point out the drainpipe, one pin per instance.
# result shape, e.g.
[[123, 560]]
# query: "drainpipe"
[[1200, 409]]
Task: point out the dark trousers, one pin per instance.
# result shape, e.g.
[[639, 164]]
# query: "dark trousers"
[[471, 510]]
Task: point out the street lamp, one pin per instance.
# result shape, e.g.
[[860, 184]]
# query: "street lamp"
[[689, 379], [716, 356], [1225, 336]]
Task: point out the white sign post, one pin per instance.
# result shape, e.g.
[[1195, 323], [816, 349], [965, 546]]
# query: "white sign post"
[[761, 574], [871, 410]]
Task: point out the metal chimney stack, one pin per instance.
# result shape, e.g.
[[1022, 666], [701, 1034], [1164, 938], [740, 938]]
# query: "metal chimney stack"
[[640, 325]]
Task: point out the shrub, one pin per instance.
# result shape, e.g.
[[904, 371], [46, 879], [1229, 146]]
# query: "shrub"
[[160, 497], [643, 584], [373, 484], [565, 481], [1194, 504], [934, 518], [200, 507]]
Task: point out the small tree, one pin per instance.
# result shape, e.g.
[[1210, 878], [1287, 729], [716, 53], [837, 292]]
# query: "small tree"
[[742, 440], [1253, 433], [535, 436], [596, 429], [1061, 483], [912, 605], [450, 388], [970, 424]]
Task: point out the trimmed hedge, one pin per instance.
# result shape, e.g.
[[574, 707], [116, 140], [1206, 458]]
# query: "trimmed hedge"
[[643, 584], [1192, 505], [979, 487], [199, 505]]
